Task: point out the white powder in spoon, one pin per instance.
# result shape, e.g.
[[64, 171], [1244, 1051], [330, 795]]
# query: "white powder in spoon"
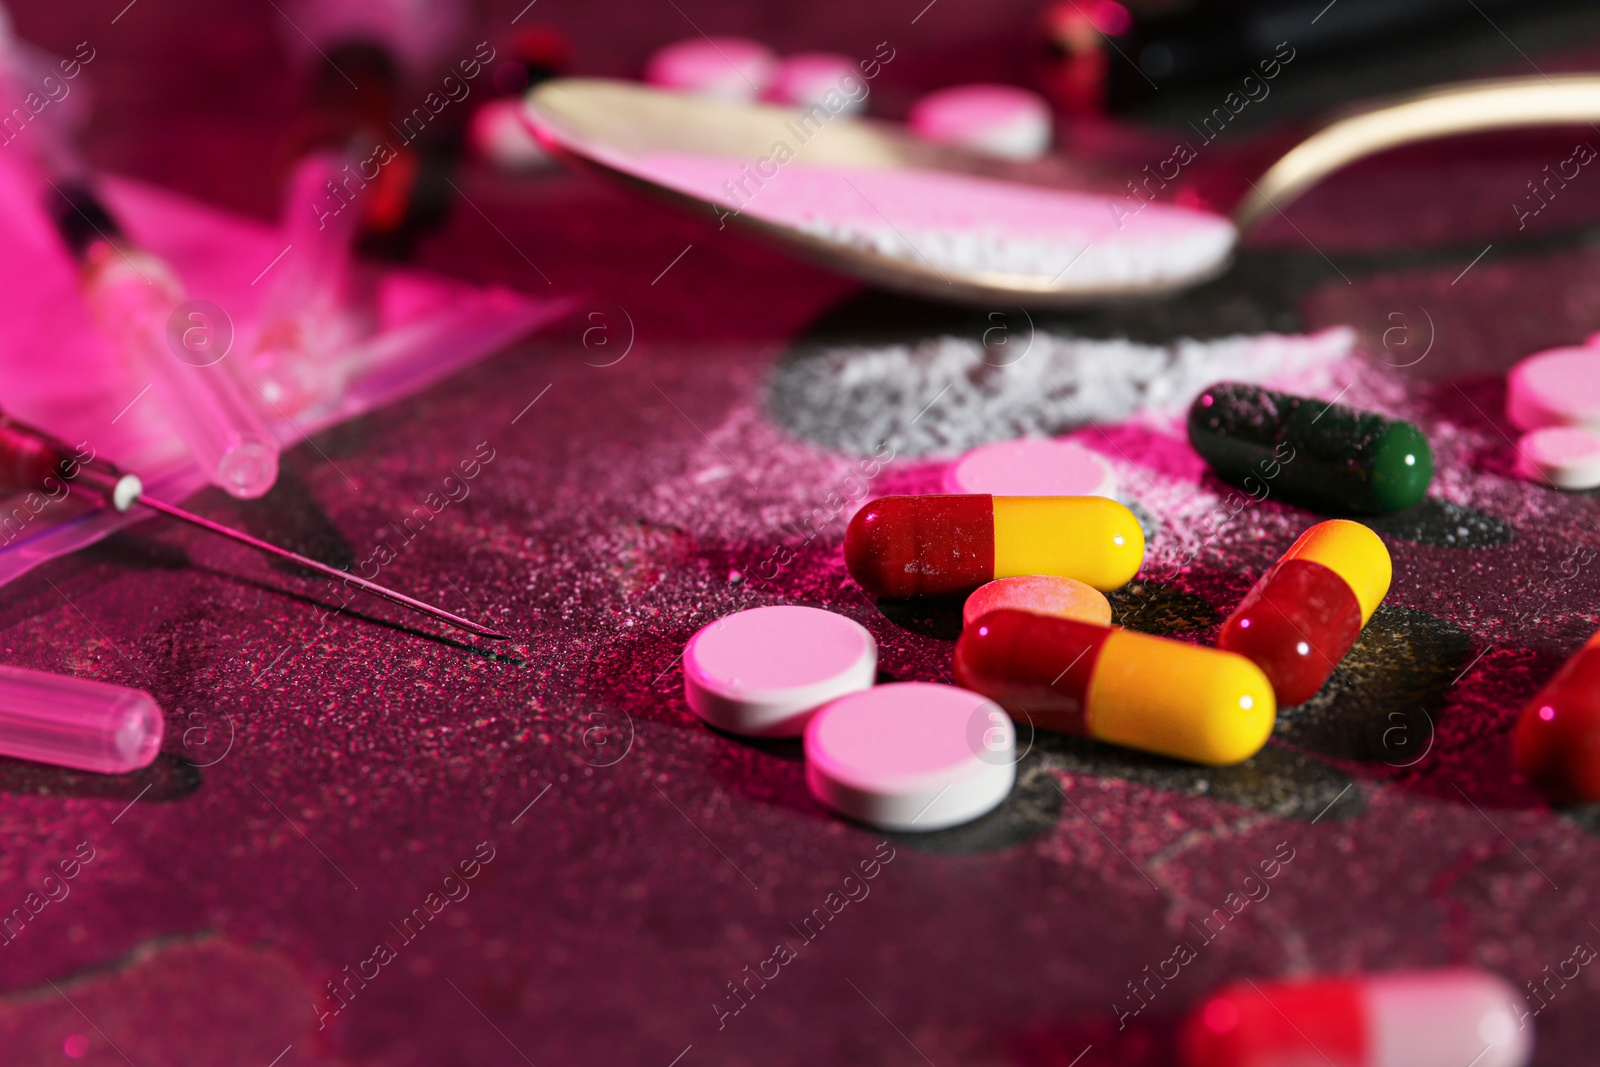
[[962, 224]]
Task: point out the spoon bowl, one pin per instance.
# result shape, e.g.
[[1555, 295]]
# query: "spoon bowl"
[[623, 131]]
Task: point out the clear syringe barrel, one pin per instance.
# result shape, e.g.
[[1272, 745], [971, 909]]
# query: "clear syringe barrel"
[[134, 296], [74, 722]]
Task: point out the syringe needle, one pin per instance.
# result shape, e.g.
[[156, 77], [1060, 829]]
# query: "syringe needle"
[[30, 459], [322, 568]]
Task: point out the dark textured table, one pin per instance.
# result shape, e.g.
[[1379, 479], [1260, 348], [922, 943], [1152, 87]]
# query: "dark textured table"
[[561, 863]]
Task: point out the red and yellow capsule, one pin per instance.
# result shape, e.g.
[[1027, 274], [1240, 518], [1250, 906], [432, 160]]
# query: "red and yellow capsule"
[[1557, 741], [1307, 611], [905, 546], [1116, 685]]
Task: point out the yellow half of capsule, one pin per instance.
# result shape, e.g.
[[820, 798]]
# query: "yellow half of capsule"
[[1091, 538], [1179, 700], [1355, 554]]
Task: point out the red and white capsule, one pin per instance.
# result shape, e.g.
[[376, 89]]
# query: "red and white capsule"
[[1445, 1018]]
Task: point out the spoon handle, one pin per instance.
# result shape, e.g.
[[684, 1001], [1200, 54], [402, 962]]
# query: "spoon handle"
[[1443, 111]]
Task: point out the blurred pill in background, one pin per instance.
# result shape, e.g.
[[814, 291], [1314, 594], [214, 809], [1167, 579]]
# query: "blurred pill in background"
[[998, 120], [1444, 1018], [1567, 457], [729, 68], [806, 79], [1555, 387]]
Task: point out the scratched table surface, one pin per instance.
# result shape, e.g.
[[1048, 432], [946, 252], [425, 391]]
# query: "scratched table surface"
[[366, 843]]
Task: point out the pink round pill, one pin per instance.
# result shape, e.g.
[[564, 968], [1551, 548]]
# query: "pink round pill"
[[1556, 387], [730, 68], [1040, 594], [497, 134], [807, 78], [1031, 466], [765, 671], [1567, 457], [1000, 120], [911, 756]]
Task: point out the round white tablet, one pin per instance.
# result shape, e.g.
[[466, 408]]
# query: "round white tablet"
[[809, 77], [1032, 466], [911, 756], [732, 68], [764, 672], [1556, 387], [1568, 457], [1001, 120]]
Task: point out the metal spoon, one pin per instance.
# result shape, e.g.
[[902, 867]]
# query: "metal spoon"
[[608, 126]]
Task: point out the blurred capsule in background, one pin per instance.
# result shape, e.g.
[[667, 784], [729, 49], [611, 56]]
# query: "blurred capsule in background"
[[997, 120], [1443, 1018], [729, 68]]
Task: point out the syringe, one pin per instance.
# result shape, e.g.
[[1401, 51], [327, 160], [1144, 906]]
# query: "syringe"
[[31, 458], [134, 297]]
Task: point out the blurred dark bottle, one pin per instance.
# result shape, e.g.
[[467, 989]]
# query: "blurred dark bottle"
[[1096, 56]]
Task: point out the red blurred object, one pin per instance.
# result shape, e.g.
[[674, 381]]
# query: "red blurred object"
[[1318, 1022], [534, 55], [1557, 740], [1073, 58]]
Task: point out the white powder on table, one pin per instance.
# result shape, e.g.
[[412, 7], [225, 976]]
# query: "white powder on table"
[[943, 395], [963, 224]]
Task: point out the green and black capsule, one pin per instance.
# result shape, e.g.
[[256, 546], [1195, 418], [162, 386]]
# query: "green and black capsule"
[[1325, 456]]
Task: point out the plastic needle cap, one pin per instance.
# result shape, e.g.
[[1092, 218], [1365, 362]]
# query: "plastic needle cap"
[[74, 722]]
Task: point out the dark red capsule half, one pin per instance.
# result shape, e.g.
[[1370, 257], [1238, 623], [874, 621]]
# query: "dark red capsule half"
[[1296, 625], [902, 546], [1037, 668], [1557, 740]]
